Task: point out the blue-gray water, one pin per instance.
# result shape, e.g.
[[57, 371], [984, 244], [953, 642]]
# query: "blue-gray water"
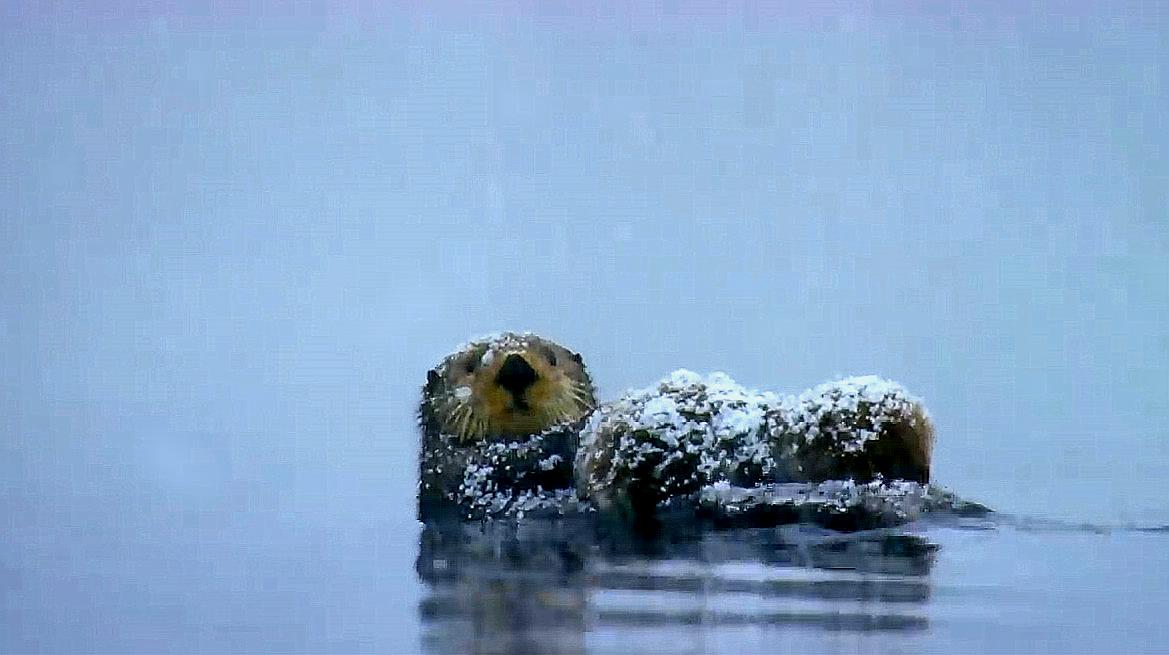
[[231, 243]]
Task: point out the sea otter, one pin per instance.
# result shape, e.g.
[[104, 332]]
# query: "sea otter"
[[499, 421], [511, 427]]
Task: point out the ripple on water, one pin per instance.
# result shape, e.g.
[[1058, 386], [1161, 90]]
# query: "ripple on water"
[[567, 587]]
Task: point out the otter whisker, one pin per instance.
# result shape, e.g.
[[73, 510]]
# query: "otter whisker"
[[573, 395], [466, 420], [575, 391], [462, 427], [456, 414], [467, 429], [582, 401], [581, 393], [459, 416]]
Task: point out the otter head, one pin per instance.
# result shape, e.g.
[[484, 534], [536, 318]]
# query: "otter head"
[[509, 385]]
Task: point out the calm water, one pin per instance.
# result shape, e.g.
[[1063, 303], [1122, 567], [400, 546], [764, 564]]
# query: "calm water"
[[973, 589], [266, 586], [232, 243]]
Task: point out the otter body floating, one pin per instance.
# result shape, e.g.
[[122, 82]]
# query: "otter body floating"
[[509, 429], [688, 432]]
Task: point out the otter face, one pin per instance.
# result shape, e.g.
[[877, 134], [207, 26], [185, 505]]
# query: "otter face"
[[511, 385]]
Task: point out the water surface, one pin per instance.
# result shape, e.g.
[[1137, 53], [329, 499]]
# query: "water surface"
[[972, 588]]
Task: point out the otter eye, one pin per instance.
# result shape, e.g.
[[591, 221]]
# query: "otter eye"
[[470, 365], [551, 357]]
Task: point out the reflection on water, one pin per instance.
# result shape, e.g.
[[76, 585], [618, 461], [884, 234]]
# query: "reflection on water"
[[569, 586]]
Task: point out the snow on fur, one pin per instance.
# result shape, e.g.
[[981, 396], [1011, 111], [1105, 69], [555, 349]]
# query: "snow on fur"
[[688, 431]]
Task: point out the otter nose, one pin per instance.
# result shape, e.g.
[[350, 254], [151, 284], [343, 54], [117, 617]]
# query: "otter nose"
[[516, 375]]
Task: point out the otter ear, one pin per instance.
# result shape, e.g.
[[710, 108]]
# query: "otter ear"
[[432, 380], [577, 358]]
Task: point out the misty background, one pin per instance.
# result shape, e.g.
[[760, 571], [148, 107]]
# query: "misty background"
[[232, 244]]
